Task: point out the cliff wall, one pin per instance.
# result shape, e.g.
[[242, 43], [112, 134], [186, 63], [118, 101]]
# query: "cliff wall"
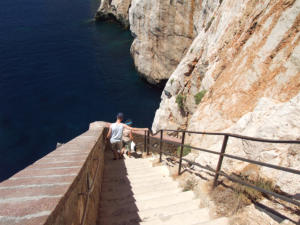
[[243, 58], [247, 62], [163, 30]]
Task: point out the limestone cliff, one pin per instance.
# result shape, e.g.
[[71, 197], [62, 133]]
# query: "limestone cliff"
[[247, 59], [244, 57], [115, 10], [163, 30]]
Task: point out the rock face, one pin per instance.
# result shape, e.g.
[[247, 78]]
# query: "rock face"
[[247, 58], [163, 30], [115, 10], [244, 58]]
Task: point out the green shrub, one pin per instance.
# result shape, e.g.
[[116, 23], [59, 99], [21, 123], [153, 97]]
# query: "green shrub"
[[198, 97], [180, 100], [172, 80], [186, 151]]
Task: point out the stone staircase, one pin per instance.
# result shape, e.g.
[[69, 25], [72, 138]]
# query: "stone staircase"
[[135, 193]]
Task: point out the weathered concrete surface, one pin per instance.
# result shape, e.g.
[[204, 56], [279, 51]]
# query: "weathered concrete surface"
[[134, 192], [53, 189]]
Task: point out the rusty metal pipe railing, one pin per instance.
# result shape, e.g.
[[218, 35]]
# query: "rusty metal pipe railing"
[[222, 154]]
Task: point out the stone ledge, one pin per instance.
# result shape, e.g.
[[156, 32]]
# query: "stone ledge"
[[53, 189]]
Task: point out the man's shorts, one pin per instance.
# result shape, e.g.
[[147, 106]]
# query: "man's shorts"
[[117, 146]]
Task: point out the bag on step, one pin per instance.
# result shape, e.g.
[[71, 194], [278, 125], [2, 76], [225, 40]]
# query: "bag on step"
[[133, 146]]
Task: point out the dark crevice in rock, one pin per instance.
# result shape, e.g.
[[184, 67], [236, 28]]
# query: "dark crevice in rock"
[[111, 18]]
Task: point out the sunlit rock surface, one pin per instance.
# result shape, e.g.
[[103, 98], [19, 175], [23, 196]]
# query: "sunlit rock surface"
[[116, 10], [246, 57], [248, 61]]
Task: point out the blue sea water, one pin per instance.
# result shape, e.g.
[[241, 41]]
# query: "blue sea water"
[[59, 71]]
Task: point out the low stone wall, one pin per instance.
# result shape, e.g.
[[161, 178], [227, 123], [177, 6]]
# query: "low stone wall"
[[57, 189]]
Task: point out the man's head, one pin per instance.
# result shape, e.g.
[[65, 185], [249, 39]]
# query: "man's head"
[[120, 116]]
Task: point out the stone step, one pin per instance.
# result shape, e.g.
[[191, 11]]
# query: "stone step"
[[131, 213], [108, 178], [137, 189], [122, 199], [147, 203], [125, 183], [147, 215], [147, 180], [134, 176], [122, 168], [218, 221], [186, 218], [128, 165]]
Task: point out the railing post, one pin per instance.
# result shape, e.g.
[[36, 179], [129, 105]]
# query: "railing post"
[[181, 152], [225, 140], [160, 145], [145, 141], [148, 142]]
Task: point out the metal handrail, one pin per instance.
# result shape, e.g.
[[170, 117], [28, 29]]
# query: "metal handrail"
[[229, 135], [222, 154]]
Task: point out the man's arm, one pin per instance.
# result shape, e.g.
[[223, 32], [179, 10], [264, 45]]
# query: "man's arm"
[[130, 135], [135, 128]]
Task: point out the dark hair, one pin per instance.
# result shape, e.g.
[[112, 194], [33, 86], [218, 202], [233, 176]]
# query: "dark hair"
[[120, 116]]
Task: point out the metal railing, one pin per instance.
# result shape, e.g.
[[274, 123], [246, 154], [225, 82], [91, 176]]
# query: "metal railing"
[[222, 154]]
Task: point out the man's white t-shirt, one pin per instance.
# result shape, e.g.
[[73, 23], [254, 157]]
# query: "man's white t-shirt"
[[116, 132]]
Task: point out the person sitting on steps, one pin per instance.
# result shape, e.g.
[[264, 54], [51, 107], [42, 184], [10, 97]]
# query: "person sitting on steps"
[[115, 135]]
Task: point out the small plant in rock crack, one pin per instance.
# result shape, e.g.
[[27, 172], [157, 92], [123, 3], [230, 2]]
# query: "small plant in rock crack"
[[198, 97], [189, 185], [180, 101]]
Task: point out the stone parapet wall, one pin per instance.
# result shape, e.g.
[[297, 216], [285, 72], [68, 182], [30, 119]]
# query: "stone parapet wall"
[[56, 189]]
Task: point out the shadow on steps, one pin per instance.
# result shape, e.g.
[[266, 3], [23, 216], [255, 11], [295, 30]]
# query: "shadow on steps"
[[117, 202]]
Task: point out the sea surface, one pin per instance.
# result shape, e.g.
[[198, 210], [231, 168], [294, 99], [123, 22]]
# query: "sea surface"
[[60, 71]]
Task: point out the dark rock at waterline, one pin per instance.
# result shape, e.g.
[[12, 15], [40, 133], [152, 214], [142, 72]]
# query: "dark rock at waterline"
[[110, 17]]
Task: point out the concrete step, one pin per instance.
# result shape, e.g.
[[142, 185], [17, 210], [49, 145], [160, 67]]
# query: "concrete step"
[[123, 198], [115, 178], [141, 170], [135, 193], [146, 180], [137, 180], [127, 168], [133, 176], [219, 221], [131, 213], [147, 203], [129, 165], [126, 184], [147, 215], [137, 189], [186, 218]]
